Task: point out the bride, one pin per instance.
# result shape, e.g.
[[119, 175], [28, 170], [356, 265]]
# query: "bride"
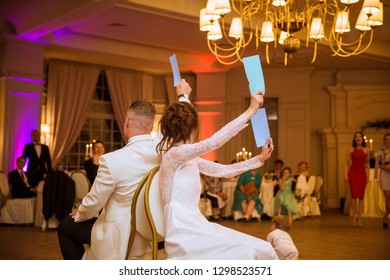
[[189, 235]]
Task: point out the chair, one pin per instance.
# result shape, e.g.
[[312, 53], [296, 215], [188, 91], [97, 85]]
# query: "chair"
[[316, 197], [15, 210], [82, 185], [58, 196], [307, 205], [238, 214], [147, 215]]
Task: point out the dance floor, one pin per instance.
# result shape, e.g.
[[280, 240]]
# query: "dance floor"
[[328, 237]]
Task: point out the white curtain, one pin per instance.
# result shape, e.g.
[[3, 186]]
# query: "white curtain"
[[125, 87], [69, 95]]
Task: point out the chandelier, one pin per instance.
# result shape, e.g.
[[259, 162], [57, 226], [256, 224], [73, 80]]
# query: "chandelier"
[[287, 22]]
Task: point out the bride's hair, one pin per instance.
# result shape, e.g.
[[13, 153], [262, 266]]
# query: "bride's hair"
[[177, 123]]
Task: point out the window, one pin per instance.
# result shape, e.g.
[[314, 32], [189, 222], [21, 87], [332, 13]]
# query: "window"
[[99, 125]]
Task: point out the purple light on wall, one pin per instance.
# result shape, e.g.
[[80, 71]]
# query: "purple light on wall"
[[31, 36], [27, 80], [24, 119], [25, 94]]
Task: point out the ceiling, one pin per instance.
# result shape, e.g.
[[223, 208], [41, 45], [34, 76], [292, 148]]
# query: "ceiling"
[[142, 34]]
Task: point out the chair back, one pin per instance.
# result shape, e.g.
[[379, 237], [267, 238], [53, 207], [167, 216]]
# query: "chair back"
[[311, 184], [147, 212], [82, 186], [318, 185], [4, 186], [150, 208]]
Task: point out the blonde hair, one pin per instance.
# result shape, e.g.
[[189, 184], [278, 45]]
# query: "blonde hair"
[[281, 222]]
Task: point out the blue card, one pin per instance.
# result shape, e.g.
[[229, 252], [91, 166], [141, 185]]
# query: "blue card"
[[260, 127], [175, 70], [254, 73]]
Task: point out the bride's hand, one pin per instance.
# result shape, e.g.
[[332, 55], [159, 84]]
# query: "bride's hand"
[[257, 100], [266, 150]]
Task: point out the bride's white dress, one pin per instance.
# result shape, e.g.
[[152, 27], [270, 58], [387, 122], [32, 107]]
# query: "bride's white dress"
[[189, 235]]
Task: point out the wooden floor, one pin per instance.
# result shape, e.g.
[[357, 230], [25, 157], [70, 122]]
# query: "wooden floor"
[[328, 237]]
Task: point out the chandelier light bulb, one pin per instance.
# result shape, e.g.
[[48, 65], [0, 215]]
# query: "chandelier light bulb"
[[342, 22], [279, 3], [362, 22], [267, 32], [349, 2], [210, 10], [376, 19], [371, 7], [236, 28], [316, 29], [282, 37], [222, 7], [204, 21], [215, 32]]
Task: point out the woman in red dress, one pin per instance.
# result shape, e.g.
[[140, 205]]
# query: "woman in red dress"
[[356, 173]]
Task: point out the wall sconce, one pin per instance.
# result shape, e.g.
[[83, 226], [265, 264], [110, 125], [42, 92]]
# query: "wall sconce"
[[45, 130]]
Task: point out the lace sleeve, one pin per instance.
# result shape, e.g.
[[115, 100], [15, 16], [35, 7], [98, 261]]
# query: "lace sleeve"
[[185, 152], [210, 168]]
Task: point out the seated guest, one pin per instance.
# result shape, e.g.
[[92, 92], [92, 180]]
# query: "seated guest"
[[301, 177], [20, 187], [280, 240], [285, 202], [213, 188], [91, 165], [246, 195], [277, 173]]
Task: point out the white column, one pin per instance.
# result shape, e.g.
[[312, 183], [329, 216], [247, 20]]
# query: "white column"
[[21, 87]]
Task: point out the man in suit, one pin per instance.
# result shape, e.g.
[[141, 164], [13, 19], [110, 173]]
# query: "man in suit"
[[39, 161], [20, 187], [112, 193]]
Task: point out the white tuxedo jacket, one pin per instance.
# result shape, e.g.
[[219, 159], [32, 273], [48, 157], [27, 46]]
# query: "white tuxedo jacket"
[[118, 176]]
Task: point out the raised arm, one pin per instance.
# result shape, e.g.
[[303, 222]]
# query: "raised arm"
[[213, 169], [186, 152]]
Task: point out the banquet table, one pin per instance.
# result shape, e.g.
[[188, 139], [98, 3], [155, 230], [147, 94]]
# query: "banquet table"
[[374, 199]]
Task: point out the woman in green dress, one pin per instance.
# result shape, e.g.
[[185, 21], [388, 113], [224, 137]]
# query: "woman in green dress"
[[246, 195]]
